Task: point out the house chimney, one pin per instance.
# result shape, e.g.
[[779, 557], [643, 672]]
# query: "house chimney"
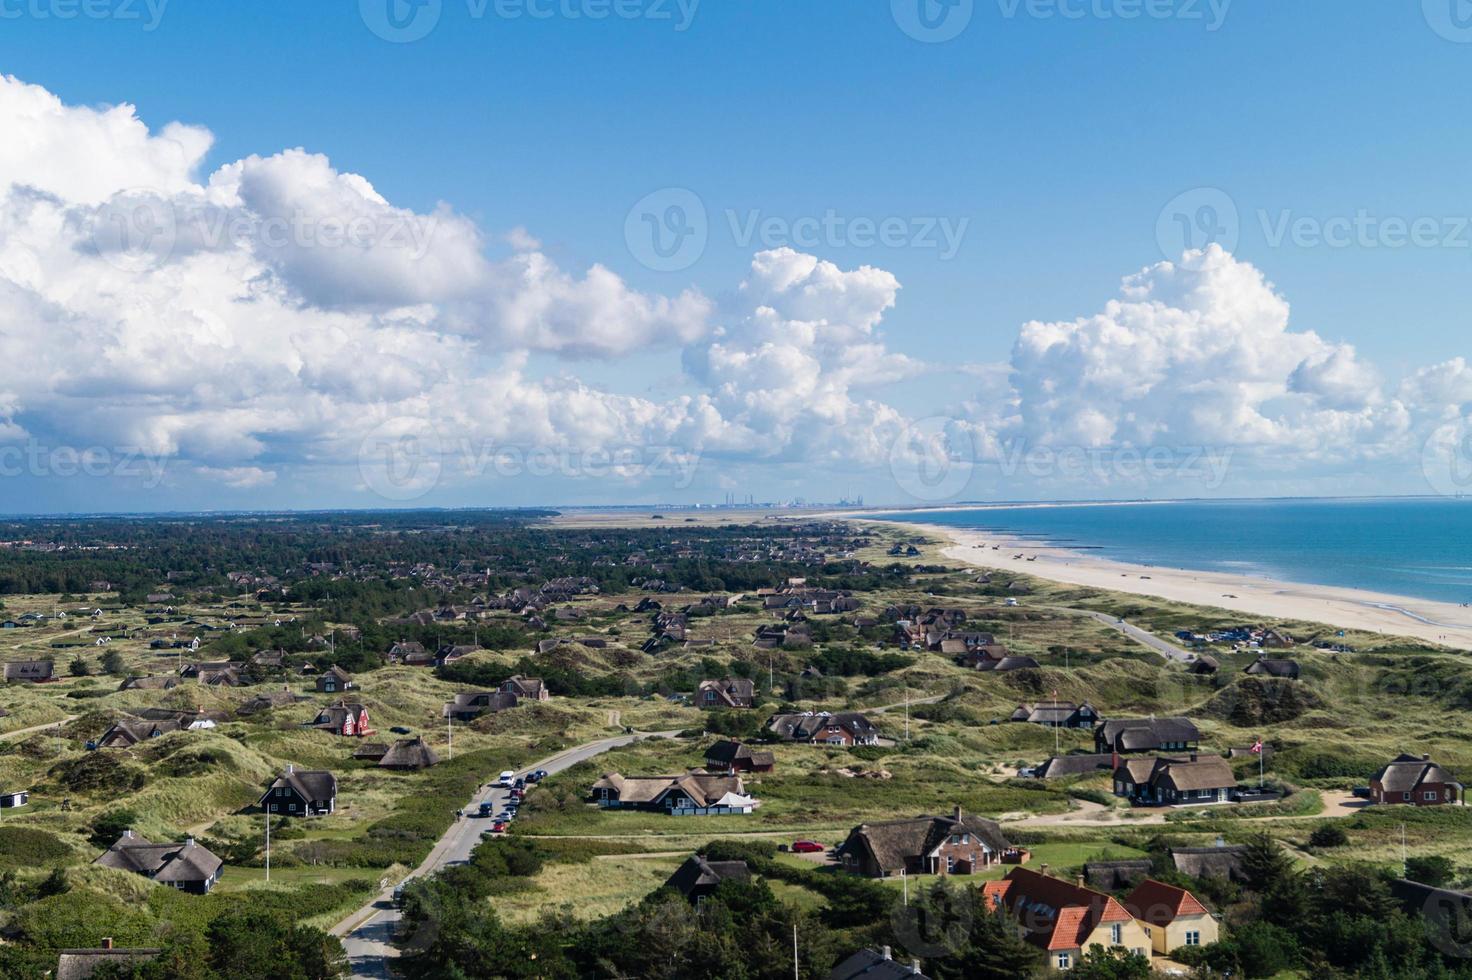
[[1221, 841], [915, 967], [189, 841], [884, 953], [290, 768], [1080, 881], [958, 814], [107, 942], [128, 832], [1425, 758], [1043, 870]]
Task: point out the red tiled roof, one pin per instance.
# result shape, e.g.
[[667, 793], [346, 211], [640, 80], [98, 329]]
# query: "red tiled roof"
[[1056, 914], [1158, 903]]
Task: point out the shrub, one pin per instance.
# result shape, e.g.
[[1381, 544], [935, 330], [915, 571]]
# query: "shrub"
[[1328, 835]]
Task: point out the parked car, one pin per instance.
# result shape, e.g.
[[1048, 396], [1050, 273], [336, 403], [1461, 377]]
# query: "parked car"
[[505, 778], [499, 827], [518, 794], [537, 776], [486, 809], [1361, 792], [519, 784], [807, 847]]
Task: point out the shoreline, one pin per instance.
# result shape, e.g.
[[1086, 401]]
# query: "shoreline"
[[1343, 608]]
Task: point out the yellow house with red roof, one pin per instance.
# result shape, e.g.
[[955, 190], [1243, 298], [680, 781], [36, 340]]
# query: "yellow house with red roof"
[[1171, 916], [1065, 918]]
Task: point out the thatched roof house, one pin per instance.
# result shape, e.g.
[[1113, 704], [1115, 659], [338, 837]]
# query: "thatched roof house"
[[409, 753]]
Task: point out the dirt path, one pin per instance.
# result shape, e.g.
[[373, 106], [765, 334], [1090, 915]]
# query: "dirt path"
[[23, 732]]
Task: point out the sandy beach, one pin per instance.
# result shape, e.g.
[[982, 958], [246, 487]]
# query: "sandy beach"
[[1373, 612]]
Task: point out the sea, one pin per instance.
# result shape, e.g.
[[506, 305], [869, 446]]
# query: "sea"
[[1419, 547]]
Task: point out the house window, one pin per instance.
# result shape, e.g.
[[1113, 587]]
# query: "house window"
[[1115, 933], [1193, 938], [950, 863], [1406, 795], [1064, 961], [1430, 794]]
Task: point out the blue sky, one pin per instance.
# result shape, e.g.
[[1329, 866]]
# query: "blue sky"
[[1055, 135]]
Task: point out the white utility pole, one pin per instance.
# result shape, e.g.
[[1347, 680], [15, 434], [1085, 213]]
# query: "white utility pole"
[[450, 733], [794, 952], [268, 842]]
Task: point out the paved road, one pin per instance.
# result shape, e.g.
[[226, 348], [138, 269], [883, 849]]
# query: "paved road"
[[368, 933], [1166, 649]]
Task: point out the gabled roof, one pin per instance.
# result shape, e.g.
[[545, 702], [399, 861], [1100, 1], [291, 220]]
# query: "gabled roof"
[[704, 789], [1406, 772], [171, 863], [893, 843], [727, 753], [697, 872], [866, 964], [1055, 914], [312, 785], [1224, 861], [1157, 903], [1181, 774], [1141, 734], [1273, 668], [807, 726]]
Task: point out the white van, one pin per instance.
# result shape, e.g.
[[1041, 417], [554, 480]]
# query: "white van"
[[506, 778]]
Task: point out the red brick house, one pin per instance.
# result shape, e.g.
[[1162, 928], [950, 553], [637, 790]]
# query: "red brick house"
[[1415, 781], [343, 718]]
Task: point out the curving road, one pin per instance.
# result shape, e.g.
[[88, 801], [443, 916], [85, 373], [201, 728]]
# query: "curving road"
[[367, 935]]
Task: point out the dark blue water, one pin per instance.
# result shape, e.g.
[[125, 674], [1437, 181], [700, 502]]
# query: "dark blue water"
[[1419, 547]]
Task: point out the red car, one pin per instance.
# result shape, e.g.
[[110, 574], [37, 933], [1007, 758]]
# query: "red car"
[[499, 827], [808, 847]]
